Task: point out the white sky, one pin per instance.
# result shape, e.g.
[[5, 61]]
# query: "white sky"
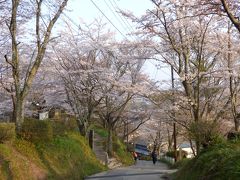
[[85, 11]]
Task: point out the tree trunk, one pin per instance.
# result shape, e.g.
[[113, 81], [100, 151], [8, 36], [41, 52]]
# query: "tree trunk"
[[197, 147], [13, 119], [125, 135], [19, 113], [193, 149], [170, 140], [236, 123], [21, 89], [196, 119], [110, 142], [82, 128]]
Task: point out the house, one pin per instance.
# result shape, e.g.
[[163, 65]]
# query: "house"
[[186, 147]]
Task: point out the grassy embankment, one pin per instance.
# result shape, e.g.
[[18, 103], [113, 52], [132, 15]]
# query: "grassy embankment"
[[65, 156], [218, 162], [48, 150]]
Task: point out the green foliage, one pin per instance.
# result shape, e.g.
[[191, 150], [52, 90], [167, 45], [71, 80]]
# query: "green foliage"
[[172, 154], [100, 131], [204, 132], [65, 122], [71, 124], [234, 135], [7, 132], [167, 162], [59, 128], [36, 130], [218, 162], [4, 169], [48, 150], [69, 157], [65, 157], [122, 154], [180, 164]]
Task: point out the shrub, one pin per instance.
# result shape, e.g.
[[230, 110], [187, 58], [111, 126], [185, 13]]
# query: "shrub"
[[218, 162], [58, 127], [180, 163], [36, 130], [62, 126], [233, 135], [121, 152], [204, 132], [100, 131], [63, 123], [172, 154], [71, 123], [7, 132]]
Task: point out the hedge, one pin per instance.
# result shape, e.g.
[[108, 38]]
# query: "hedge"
[[7, 132], [35, 130]]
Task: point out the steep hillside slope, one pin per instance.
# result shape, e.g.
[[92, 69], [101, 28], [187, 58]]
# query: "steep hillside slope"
[[65, 157]]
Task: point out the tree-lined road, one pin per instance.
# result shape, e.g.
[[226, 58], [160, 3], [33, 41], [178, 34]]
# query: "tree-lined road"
[[143, 170]]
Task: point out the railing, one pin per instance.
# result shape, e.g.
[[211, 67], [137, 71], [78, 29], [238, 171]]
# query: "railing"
[[168, 159]]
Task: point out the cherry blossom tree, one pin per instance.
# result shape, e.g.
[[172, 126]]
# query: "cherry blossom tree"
[[121, 85], [186, 42], [228, 8], [81, 57], [100, 75], [23, 14], [137, 113]]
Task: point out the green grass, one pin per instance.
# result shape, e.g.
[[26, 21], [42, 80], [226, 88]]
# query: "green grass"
[[121, 152], [168, 163], [179, 164], [64, 157], [100, 131], [69, 157], [219, 162], [4, 169], [14, 165]]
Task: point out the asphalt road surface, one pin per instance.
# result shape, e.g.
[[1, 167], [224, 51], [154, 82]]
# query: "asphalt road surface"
[[143, 170]]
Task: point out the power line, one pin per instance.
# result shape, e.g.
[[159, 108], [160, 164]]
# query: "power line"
[[74, 23], [122, 21], [117, 18], [108, 19], [122, 17]]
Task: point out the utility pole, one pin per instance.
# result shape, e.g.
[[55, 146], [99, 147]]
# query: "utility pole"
[[174, 123]]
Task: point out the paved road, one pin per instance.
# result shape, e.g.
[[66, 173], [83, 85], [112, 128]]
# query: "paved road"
[[143, 170]]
